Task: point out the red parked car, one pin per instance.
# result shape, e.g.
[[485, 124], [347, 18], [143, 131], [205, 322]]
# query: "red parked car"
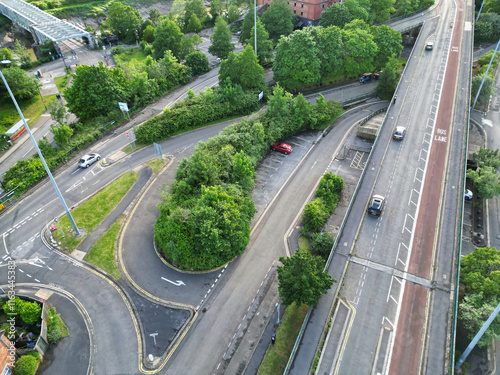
[[282, 147]]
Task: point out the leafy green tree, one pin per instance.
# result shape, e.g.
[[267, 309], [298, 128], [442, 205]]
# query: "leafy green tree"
[[23, 55], [321, 244], [194, 7], [143, 89], [221, 40], [178, 9], [483, 32], [168, 36], [480, 271], [487, 90], [330, 51], [233, 13], [247, 26], [188, 44], [296, 62], [315, 215], [198, 62], [388, 82], [389, 43], [486, 157], [149, 34], [47, 50], [96, 90], [125, 21], [6, 54], [215, 8], [243, 69], [494, 20], [486, 58], [279, 20], [383, 9], [337, 14], [473, 312], [486, 180], [243, 171], [22, 85], [26, 365], [46, 148], [492, 6], [62, 134], [357, 10], [302, 279], [194, 24], [30, 312], [301, 109], [264, 45], [480, 275], [154, 16], [14, 308], [360, 51]]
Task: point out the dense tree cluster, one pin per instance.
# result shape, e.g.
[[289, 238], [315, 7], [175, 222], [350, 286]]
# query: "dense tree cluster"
[[480, 275], [486, 177], [223, 167], [313, 53]]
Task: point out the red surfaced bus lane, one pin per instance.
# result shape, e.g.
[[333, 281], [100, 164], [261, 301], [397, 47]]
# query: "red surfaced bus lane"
[[408, 348]]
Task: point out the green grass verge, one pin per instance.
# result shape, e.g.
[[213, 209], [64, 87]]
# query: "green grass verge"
[[31, 109], [156, 165], [304, 243], [131, 147], [62, 82], [277, 355], [55, 323], [90, 213], [102, 254]]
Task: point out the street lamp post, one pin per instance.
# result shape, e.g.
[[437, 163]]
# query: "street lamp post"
[[41, 156], [255, 25]]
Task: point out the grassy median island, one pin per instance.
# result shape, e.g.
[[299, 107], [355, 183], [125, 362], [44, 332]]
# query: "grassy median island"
[[93, 211], [102, 254], [277, 355]]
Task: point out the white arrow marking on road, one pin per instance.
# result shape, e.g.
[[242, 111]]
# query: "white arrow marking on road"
[[487, 122], [176, 283]]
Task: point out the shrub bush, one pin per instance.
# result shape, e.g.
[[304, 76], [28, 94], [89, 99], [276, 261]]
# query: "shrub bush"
[[193, 113], [321, 244], [26, 365], [315, 215]]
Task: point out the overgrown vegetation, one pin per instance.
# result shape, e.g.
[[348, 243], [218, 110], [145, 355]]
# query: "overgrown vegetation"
[[479, 275], [486, 178], [56, 329], [277, 355], [205, 218]]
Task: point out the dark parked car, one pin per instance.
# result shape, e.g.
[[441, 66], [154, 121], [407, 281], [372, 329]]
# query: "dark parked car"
[[282, 147], [376, 205], [367, 77]]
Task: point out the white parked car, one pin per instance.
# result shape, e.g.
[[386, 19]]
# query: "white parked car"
[[87, 160], [468, 194]]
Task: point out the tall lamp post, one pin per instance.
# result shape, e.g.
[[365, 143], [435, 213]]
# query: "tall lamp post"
[[255, 24], [41, 156]]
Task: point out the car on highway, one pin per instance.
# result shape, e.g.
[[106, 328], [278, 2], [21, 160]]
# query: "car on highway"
[[429, 46], [399, 133], [282, 147], [376, 205], [468, 195], [89, 159]]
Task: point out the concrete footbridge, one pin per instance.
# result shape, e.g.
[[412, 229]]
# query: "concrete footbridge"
[[40, 24]]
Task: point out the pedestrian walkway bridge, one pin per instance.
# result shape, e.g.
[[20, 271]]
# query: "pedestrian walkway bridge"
[[41, 24]]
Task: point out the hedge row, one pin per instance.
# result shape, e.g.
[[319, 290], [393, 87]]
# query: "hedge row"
[[193, 113], [317, 212]]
